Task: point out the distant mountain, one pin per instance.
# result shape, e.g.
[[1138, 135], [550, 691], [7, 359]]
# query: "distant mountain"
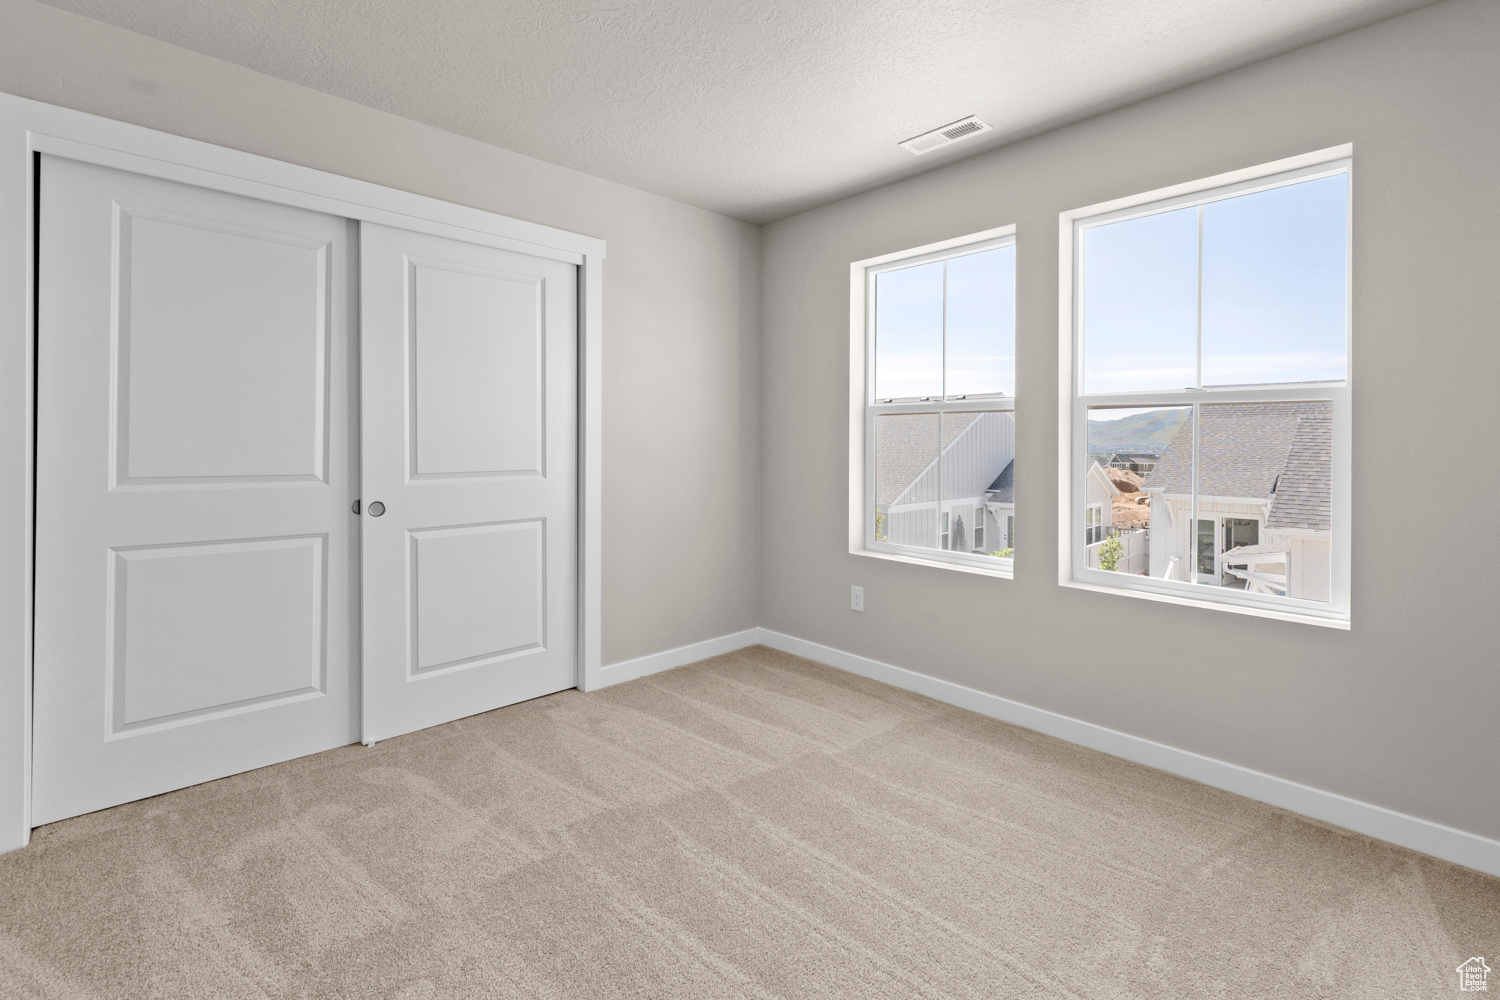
[[1150, 431]]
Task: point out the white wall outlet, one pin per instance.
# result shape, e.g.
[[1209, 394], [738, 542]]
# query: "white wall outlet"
[[856, 598]]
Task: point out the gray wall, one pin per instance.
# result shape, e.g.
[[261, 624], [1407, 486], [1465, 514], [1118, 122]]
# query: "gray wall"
[[681, 363], [1404, 709]]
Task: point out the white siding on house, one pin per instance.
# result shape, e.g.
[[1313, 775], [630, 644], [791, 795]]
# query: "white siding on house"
[[1173, 533], [913, 525], [970, 463], [1170, 539], [975, 456], [978, 455], [1100, 491], [1309, 571]]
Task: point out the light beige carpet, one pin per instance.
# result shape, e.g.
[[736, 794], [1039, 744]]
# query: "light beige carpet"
[[751, 826]]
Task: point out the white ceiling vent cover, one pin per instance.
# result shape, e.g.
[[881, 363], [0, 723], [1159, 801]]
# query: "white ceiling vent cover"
[[950, 133]]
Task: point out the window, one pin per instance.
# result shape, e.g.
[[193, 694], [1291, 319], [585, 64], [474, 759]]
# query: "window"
[[1209, 437], [934, 402]]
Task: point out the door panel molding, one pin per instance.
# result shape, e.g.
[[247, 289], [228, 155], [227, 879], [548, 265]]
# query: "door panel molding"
[[28, 128], [120, 625], [132, 361], [416, 665], [470, 581], [500, 393], [184, 635]]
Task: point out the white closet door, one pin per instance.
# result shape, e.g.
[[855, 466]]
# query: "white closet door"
[[469, 385], [195, 470]]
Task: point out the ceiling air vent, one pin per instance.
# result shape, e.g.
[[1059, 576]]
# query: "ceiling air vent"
[[950, 133]]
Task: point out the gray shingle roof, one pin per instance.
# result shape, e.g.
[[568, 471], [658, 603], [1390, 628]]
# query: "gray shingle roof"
[[1003, 489], [906, 444], [1243, 449], [1304, 496], [1265, 548]]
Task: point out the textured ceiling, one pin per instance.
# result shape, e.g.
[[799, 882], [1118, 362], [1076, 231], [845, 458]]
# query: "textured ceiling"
[[754, 108]]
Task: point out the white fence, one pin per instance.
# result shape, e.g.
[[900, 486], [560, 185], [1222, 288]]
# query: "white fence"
[[1135, 552]]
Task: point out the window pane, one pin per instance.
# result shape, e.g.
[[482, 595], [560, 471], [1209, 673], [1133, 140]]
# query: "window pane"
[[906, 479], [982, 323], [1124, 448], [909, 332], [1206, 552], [1140, 303], [1274, 268], [1265, 497], [978, 481]]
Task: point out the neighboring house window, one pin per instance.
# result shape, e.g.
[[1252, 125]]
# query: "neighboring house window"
[[933, 390], [1209, 366], [1093, 529]]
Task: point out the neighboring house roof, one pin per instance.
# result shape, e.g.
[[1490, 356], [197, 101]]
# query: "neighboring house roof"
[[1003, 489], [1138, 457], [1243, 449], [906, 444], [1264, 548], [1304, 494]]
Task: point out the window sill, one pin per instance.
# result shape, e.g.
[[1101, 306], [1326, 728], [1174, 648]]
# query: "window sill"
[[1239, 609], [1003, 574]]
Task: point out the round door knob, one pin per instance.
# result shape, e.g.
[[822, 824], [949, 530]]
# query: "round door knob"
[[376, 508]]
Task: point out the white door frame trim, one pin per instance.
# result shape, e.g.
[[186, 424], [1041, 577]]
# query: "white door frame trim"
[[30, 127]]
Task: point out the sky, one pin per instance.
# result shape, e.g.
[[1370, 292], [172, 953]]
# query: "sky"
[[1274, 266], [980, 319]]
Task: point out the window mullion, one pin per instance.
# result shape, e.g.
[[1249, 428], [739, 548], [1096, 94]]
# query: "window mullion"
[[1190, 397], [1199, 383], [945, 330], [1193, 532], [944, 537], [1192, 526], [952, 406]]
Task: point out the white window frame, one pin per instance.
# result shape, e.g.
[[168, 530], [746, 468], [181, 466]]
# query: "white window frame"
[[1093, 518], [979, 532], [1074, 402], [863, 409]]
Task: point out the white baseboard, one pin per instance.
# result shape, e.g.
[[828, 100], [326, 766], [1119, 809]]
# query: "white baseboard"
[[1468, 849], [629, 670]]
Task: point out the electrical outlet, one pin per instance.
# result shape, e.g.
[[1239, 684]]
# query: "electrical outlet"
[[856, 598]]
